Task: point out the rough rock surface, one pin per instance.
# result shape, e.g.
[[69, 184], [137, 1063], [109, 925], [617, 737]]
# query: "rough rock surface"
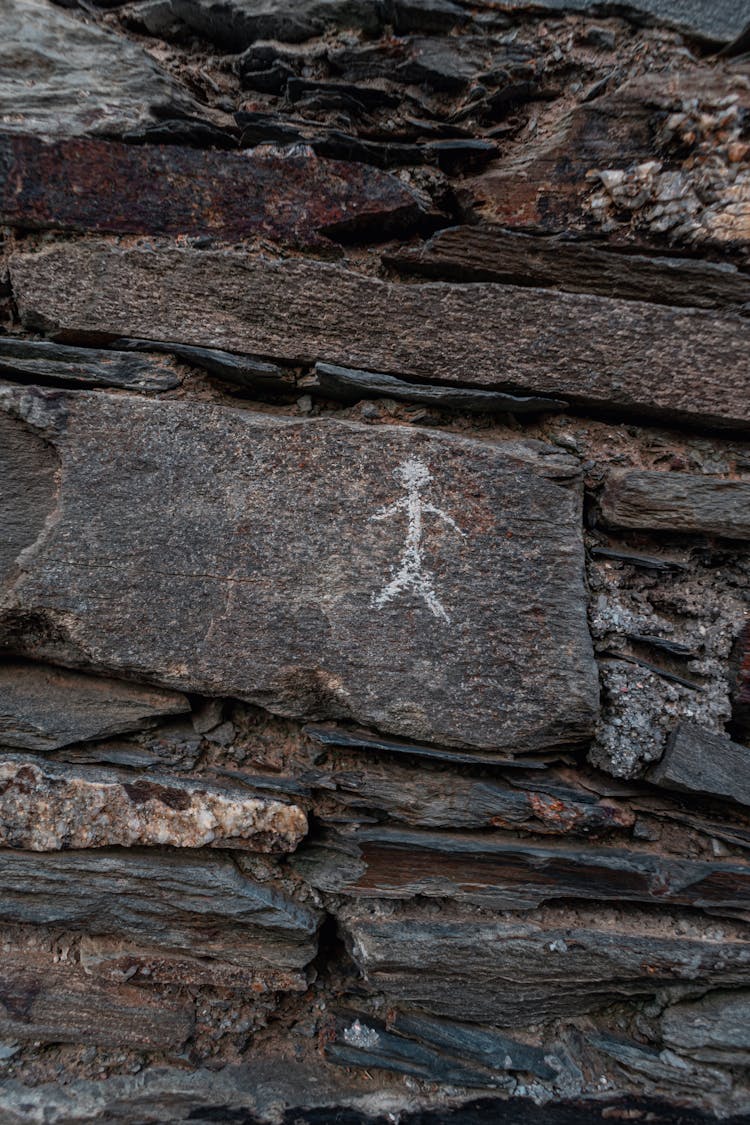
[[60, 76], [43, 708], [686, 364], [47, 808], [357, 593]]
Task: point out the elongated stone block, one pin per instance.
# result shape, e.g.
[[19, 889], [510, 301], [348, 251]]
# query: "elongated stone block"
[[654, 360], [44, 708], [85, 184], [677, 502], [424, 584], [699, 761], [47, 807]]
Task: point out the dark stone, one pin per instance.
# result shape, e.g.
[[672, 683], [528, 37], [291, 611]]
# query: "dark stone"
[[42, 361], [236, 24], [240, 516], [347, 385], [698, 761], [684, 364], [64, 77], [677, 502], [512, 972], [241, 370], [44, 708], [83, 184]]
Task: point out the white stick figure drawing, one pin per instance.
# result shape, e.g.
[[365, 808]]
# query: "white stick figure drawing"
[[410, 575]]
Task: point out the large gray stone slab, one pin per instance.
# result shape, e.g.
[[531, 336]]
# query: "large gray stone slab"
[[422, 583], [60, 76], [684, 364]]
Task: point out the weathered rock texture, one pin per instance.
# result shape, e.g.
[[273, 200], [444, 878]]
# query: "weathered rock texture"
[[684, 364], [47, 808], [354, 591], [374, 570]]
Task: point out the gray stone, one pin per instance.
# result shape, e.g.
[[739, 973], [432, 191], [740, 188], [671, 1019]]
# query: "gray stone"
[[190, 904], [42, 361], [699, 761], [717, 21], [235, 24], [511, 972], [681, 502], [658, 361], [60, 76], [422, 583], [44, 708], [715, 1028]]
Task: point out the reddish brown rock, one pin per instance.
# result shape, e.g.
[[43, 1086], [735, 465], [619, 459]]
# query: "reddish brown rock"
[[84, 184]]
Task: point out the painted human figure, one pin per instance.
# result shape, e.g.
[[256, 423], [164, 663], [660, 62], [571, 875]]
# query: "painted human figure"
[[411, 575]]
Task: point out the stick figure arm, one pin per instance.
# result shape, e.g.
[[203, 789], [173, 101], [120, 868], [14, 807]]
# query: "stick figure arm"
[[389, 510], [445, 518]]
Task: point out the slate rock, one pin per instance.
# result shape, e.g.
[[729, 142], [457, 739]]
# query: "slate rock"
[[42, 361], [191, 904], [502, 873], [84, 184], [277, 557], [655, 361], [44, 998], [44, 708], [677, 502], [236, 24], [61, 77], [49, 807], [241, 370], [486, 253], [701, 762], [715, 1028], [717, 21], [348, 385]]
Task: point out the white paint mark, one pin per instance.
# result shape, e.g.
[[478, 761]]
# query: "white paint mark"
[[411, 575]]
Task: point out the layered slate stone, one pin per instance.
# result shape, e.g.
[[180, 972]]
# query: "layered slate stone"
[[675, 502], [684, 364], [717, 21], [48, 807], [514, 971], [85, 184], [63, 77], [421, 583], [701, 762], [44, 708]]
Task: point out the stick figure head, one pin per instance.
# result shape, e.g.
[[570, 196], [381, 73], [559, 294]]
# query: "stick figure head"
[[412, 474]]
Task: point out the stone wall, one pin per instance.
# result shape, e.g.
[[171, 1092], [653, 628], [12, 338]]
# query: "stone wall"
[[374, 576]]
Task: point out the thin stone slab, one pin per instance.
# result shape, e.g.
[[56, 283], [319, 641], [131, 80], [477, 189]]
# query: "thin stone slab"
[[699, 761], [715, 1028], [680, 502], [87, 184], [50, 807], [717, 21], [44, 708], [60, 76], [42, 361], [688, 365], [421, 583]]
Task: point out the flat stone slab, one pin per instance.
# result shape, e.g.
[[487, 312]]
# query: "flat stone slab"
[[699, 761], [44, 708], [87, 184], [60, 76], [48, 807], [651, 360], [717, 21], [424, 584], [679, 502]]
